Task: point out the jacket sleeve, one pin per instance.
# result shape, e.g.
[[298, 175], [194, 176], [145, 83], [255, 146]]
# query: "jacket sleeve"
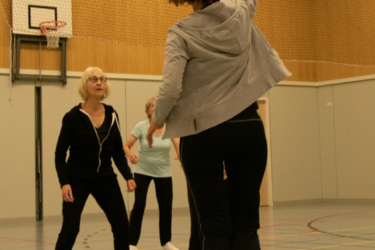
[[175, 60], [119, 155], [63, 143]]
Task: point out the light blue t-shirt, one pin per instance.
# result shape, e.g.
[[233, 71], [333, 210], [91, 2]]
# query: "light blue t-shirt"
[[153, 161]]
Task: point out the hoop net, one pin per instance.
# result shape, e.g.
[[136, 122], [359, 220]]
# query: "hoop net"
[[52, 30]]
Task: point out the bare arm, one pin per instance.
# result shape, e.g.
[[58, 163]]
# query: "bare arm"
[[151, 129], [176, 144], [127, 146]]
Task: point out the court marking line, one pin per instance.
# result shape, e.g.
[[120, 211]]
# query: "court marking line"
[[332, 246], [35, 241], [339, 235], [358, 243], [350, 229], [316, 231], [326, 247], [329, 232], [159, 247], [280, 236]]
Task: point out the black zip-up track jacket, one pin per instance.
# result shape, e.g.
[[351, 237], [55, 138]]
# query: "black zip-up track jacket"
[[88, 157]]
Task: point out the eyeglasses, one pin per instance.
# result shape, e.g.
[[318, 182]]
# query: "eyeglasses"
[[94, 79]]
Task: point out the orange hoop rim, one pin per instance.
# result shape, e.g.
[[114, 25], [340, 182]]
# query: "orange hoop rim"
[[48, 24], [59, 24]]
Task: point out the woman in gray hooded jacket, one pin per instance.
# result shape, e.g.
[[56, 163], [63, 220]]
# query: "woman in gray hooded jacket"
[[217, 65]]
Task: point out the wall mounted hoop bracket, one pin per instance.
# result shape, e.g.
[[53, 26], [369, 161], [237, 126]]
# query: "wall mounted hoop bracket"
[[16, 58]]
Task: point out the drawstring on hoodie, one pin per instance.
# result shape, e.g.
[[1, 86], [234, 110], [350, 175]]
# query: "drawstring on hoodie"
[[114, 117]]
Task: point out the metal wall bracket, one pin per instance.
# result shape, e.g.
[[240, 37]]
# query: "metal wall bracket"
[[38, 40]]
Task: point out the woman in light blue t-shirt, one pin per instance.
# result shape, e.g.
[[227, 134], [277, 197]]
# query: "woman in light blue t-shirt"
[[151, 164]]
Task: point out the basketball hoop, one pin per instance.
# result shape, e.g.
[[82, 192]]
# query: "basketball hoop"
[[51, 29]]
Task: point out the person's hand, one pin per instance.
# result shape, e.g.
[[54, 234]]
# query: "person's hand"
[[67, 193], [178, 158], [131, 185], [134, 158], [153, 127]]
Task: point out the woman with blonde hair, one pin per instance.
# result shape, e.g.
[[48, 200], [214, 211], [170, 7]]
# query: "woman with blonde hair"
[[91, 132], [217, 65], [151, 164]]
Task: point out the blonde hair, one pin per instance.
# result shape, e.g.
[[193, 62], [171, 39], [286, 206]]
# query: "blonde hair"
[[82, 88], [148, 105]]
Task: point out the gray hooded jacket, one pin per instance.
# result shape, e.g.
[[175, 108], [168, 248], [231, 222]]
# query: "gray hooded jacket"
[[217, 63]]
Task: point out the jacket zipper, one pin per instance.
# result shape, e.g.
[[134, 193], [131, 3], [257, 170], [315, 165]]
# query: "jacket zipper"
[[109, 130], [97, 136]]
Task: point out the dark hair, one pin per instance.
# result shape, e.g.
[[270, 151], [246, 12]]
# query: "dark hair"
[[205, 3]]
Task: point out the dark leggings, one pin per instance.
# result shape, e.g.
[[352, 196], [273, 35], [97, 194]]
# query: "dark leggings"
[[241, 144], [196, 237], [195, 241], [108, 195], [164, 195]]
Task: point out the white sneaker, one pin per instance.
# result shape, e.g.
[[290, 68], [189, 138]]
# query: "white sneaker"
[[131, 247], [169, 246]]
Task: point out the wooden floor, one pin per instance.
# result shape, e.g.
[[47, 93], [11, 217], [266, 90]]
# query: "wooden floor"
[[347, 226]]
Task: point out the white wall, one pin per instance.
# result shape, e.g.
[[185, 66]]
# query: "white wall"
[[17, 133], [354, 113], [318, 151], [327, 142], [294, 126], [323, 141]]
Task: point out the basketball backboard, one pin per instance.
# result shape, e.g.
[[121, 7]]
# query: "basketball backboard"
[[28, 14]]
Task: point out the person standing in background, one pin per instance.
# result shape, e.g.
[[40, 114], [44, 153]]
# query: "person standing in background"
[[151, 164]]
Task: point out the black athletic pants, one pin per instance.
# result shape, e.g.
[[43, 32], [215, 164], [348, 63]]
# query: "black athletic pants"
[[195, 241], [164, 195], [241, 144], [196, 237], [108, 195]]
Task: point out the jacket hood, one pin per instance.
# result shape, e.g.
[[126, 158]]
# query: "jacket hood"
[[224, 26], [109, 110]]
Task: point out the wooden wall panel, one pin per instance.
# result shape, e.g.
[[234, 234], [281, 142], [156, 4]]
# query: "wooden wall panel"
[[330, 71], [319, 71], [50, 59], [4, 43], [114, 57], [302, 71], [126, 59], [82, 53]]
